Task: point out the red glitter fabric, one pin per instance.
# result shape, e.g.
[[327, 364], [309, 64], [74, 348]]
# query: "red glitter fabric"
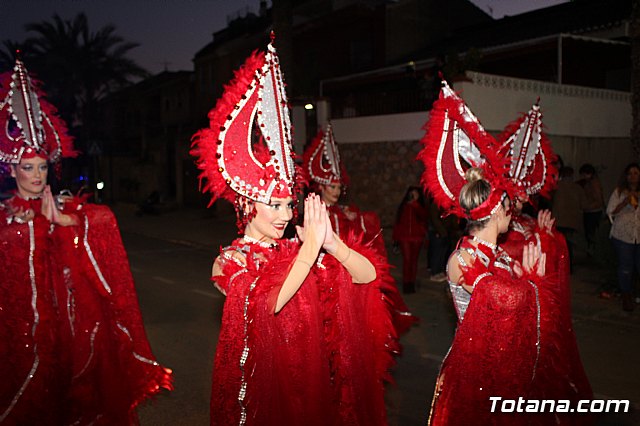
[[95, 363], [560, 375], [366, 227], [322, 360], [494, 349]]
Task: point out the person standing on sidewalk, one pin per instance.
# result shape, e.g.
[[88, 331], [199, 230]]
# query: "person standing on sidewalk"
[[306, 337], [594, 204], [624, 214], [444, 232], [410, 231]]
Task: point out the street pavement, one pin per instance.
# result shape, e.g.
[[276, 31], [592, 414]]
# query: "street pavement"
[[171, 255]]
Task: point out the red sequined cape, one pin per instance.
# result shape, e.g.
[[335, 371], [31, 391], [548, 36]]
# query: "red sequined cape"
[[494, 351], [366, 227], [321, 360], [69, 316], [561, 375]]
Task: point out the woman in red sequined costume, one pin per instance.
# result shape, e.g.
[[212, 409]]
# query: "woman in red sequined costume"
[[306, 337], [531, 168], [410, 231], [325, 172], [328, 178], [502, 345], [74, 349], [494, 352]]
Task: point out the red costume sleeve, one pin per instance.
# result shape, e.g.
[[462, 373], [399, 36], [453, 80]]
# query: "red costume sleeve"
[[112, 366]]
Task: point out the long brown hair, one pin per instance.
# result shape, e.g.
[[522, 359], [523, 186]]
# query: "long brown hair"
[[623, 185]]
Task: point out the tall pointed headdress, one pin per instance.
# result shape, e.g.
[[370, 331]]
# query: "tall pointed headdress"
[[321, 159], [530, 156], [30, 125], [247, 149], [455, 141]]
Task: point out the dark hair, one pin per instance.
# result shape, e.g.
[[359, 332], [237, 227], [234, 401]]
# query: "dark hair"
[[587, 169], [405, 200], [622, 182]]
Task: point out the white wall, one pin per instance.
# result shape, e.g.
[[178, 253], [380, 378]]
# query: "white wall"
[[380, 128], [568, 111]]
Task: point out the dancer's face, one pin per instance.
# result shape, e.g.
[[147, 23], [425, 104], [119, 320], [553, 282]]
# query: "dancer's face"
[[271, 219], [331, 193], [31, 176]]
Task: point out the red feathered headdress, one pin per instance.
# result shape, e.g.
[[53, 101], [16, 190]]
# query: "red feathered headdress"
[[30, 125], [529, 154], [247, 148], [455, 141], [321, 160]]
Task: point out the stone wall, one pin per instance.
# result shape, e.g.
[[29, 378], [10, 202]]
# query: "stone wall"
[[380, 174]]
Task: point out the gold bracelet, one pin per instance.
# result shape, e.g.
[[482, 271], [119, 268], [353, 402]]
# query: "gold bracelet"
[[346, 258], [303, 261]]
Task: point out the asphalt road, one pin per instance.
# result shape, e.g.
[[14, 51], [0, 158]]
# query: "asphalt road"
[[181, 311]]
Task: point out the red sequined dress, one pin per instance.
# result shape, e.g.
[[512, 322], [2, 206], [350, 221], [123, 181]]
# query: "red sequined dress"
[[495, 348], [74, 349], [322, 360], [561, 375]]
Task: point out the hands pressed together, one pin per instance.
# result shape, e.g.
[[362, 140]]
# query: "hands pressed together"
[[317, 230], [49, 210]]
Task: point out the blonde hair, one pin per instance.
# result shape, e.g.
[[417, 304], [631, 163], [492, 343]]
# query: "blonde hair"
[[475, 191]]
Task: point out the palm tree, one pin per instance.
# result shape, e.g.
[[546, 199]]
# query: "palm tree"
[[78, 66]]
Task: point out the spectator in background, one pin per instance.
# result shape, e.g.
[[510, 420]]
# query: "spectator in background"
[[442, 234], [594, 203], [568, 204], [409, 231], [624, 214]]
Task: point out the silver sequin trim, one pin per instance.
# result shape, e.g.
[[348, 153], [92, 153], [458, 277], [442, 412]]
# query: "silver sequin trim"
[[481, 276], [441, 180], [93, 259], [71, 304], [243, 358], [535, 365], [36, 321], [93, 338], [135, 354]]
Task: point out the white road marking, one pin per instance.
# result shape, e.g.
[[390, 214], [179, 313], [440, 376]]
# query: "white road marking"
[[210, 294], [164, 280]]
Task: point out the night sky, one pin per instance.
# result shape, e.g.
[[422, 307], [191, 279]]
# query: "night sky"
[[170, 32]]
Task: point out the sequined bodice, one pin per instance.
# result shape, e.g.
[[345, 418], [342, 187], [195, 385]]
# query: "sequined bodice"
[[461, 299]]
